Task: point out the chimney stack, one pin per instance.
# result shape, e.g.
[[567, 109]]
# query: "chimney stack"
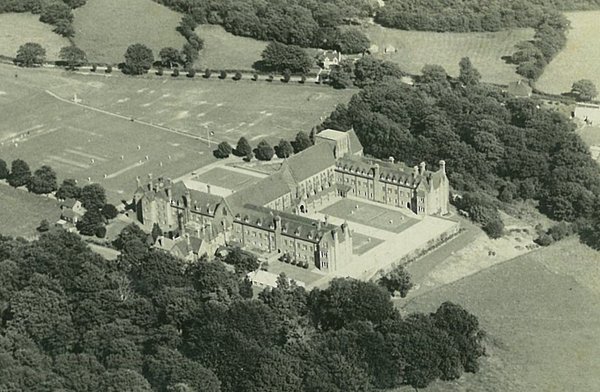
[[422, 168], [443, 166], [391, 159]]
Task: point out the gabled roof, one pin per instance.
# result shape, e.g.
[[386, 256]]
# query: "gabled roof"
[[332, 55], [311, 161], [355, 144], [263, 192], [520, 88], [68, 203]]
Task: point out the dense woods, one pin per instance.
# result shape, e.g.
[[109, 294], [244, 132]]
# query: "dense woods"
[[55, 12], [72, 321], [496, 146], [306, 23]]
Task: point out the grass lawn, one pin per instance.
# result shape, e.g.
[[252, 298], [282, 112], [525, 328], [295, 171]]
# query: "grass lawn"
[[369, 215], [579, 59], [361, 243], [590, 135], [105, 28], [21, 212], [542, 314], [293, 272], [413, 49], [230, 109], [223, 50], [17, 29], [226, 179]]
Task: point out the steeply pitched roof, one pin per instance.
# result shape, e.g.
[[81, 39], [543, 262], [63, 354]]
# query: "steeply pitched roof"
[[263, 192], [68, 203], [519, 88], [311, 161], [355, 144]]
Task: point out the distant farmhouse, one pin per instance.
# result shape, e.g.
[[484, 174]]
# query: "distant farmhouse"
[[270, 216], [331, 58]]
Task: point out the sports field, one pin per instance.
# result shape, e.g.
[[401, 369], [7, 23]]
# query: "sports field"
[[17, 29], [580, 59], [369, 215], [230, 109], [227, 179], [21, 212], [223, 50], [413, 49], [105, 28], [542, 315]]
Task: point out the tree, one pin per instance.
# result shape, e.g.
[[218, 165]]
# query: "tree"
[[73, 56], [93, 197], [398, 279], [264, 151], [302, 142], [340, 77], [191, 73], [169, 57], [44, 226], [4, 173], [109, 211], [286, 76], [368, 70], [130, 233], [138, 59], [237, 76], [189, 54], [124, 380], [90, 222], [352, 41], [30, 55], [207, 73], [584, 90], [223, 75], [68, 190], [175, 72], [54, 12], [43, 181], [223, 150], [156, 232], [284, 149], [243, 148], [278, 57], [20, 174], [468, 75]]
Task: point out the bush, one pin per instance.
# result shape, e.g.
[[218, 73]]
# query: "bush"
[[255, 77], [270, 78], [264, 151], [191, 73], [222, 75], [175, 72], [237, 76], [44, 226], [160, 71], [100, 232], [207, 73], [109, 69], [302, 79], [109, 211], [494, 229], [223, 150], [286, 76], [544, 240], [94, 68]]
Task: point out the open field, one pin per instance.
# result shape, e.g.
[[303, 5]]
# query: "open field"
[[541, 312], [21, 212], [370, 215], [580, 59], [413, 49], [226, 179], [230, 109], [17, 29], [223, 50], [105, 28]]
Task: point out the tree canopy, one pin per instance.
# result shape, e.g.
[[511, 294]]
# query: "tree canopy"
[[279, 57], [584, 90], [138, 59], [30, 54]]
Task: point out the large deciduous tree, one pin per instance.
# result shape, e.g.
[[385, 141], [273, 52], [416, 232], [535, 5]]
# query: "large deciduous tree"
[[243, 148], [93, 196], [30, 55], [73, 56], [264, 151], [68, 190], [43, 180], [398, 279], [20, 174], [138, 59], [584, 90], [169, 57], [284, 149], [301, 142], [4, 172], [278, 57]]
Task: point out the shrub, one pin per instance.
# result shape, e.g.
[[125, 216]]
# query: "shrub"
[[94, 68], [100, 232], [160, 71], [544, 240], [109, 69], [302, 79], [191, 73], [207, 73], [237, 76], [223, 150], [494, 228], [175, 72], [286, 76], [223, 75], [255, 77], [270, 78]]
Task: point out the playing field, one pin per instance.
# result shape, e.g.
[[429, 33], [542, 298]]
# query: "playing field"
[[361, 244], [580, 59], [105, 28], [18, 29], [230, 109], [21, 212], [369, 215], [223, 50], [542, 315], [226, 179], [413, 49]]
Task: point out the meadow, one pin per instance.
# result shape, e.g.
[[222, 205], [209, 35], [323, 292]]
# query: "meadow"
[[223, 50], [411, 50], [579, 59], [21, 212], [541, 313], [105, 28], [17, 29]]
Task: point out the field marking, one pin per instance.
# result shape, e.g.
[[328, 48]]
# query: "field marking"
[[118, 173], [69, 162], [85, 155], [257, 137]]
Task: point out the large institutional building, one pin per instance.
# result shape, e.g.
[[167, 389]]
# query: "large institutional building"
[[269, 216]]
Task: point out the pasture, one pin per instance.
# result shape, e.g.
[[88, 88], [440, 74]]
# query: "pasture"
[[579, 59], [228, 108], [21, 212], [541, 313], [411, 50], [105, 28], [223, 50], [369, 215], [17, 29]]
